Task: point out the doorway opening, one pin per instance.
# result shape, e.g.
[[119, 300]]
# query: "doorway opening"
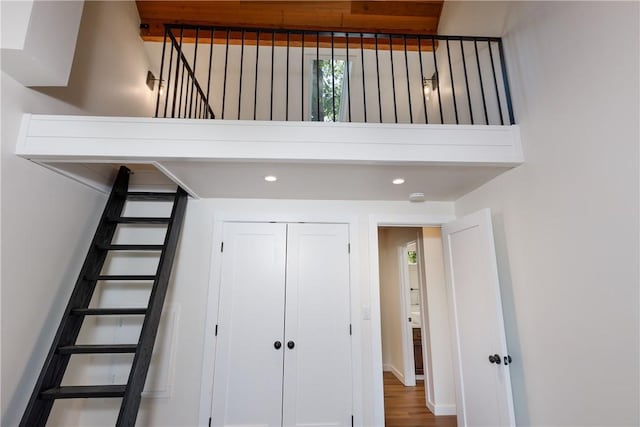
[[415, 330]]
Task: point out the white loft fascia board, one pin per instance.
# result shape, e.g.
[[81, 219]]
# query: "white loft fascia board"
[[42, 52], [83, 138]]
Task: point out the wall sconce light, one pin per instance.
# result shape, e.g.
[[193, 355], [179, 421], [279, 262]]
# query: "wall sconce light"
[[151, 82], [430, 85]]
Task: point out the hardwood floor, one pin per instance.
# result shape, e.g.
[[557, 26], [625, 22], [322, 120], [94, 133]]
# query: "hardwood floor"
[[404, 406]]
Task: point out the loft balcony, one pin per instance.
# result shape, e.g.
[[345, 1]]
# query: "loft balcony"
[[321, 107]]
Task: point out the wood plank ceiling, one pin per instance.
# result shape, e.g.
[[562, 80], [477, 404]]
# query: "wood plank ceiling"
[[399, 17]]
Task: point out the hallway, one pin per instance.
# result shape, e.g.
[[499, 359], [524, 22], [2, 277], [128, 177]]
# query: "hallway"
[[405, 406]]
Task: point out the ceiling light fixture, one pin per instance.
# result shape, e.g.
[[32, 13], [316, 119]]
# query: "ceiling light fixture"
[[270, 178], [398, 181]]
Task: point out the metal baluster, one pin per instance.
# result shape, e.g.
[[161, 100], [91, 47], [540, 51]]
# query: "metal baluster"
[[166, 95], [495, 82], [195, 59], [255, 84], [224, 83], [181, 88], [318, 73], [210, 64], [406, 63], [333, 82], [453, 88], [164, 45], [393, 79], [286, 98], [364, 92], [348, 80], [466, 80], [378, 78], [241, 65], [507, 92], [435, 64], [302, 80], [484, 102], [273, 46], [175, 89], [424, 97]]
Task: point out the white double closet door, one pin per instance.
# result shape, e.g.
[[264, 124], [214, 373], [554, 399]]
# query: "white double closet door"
[[283, 350]]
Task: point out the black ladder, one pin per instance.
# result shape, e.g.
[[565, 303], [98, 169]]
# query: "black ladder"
[[48, 387]]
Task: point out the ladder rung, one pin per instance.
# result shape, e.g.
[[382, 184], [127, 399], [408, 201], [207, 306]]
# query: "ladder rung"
[[133, 247], [125, 277], [140, 220], [97, 349], [84, 391], [108, 311], [150, 195]]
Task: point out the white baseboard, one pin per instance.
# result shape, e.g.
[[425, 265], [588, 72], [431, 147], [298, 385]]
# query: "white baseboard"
[[442, 409], [420, 377], [390, 368]]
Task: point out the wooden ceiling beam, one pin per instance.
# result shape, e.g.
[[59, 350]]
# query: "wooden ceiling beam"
[[399, 17]]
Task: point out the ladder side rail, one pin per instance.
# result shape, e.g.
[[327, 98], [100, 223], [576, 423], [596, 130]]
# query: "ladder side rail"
[[38, 410], [142, 359]]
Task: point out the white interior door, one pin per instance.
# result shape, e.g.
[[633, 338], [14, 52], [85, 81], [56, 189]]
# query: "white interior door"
[[247, 386], [317, 377], [483, 387]]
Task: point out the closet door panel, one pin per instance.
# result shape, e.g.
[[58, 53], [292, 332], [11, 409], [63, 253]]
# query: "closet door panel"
[[248, 368], [317, 377]]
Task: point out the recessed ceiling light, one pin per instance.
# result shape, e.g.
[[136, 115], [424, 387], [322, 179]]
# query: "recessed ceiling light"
[[270, 178], [398, 181]]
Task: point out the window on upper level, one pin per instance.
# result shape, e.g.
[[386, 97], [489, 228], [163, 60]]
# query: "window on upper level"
[[328, 83]]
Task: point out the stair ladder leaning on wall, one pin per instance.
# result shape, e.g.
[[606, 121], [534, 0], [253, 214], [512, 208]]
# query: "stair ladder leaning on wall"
[[48, 387]]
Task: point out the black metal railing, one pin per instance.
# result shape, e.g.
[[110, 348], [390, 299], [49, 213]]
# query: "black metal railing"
[[293, 75]]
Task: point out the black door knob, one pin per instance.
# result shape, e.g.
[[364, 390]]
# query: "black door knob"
[[291, 344], [277, 345]]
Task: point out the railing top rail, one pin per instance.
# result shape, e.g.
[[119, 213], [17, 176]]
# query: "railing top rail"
[[326, 33]]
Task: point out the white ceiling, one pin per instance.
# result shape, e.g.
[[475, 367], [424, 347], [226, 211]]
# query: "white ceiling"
[[311, 181], [329, 181]]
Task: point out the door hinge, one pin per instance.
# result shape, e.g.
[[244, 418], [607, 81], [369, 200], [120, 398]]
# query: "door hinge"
[[350, 329], [221, 246], [216, 333], [209, 421], [351, 420], [348, 247]]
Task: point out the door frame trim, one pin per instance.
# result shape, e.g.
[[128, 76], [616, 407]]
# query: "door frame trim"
[[407, 332], [376, 221], [213, 293]]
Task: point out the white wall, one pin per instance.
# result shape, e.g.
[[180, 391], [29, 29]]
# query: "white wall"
[[190, 285], [440, 384], [391, 239], [39, 40], [48, 220], [566, 222]]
